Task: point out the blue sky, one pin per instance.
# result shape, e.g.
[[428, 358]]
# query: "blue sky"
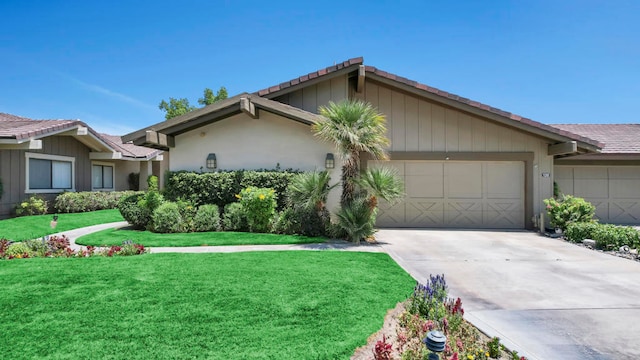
[[109, 63]]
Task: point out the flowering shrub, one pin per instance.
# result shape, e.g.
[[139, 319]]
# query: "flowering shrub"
[[428, 309], [259, 205], [59, 246], [568, 210], [32, 206]]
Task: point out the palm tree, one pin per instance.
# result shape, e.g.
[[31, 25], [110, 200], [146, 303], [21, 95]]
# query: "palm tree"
[[381, 182], [310, 190], [354, 126]]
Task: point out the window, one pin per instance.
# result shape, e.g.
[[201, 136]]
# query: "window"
[[49, 173], [102, 176]]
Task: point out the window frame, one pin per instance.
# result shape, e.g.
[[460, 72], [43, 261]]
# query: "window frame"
[[113, 175], [60, 158]]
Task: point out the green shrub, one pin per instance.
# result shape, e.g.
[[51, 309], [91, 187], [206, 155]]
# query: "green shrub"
[[167, 218], [220, 188], [260, 206], [132, 212], [134, 181], [578, 231], [207, 218], [611, 237], [18, 249], [357, 219], [234, 218], [302, 221], [188, 213], [33, 206], [569, 209], [74, 202]]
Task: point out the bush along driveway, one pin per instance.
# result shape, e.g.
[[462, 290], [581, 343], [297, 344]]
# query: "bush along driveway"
[[544, 297]]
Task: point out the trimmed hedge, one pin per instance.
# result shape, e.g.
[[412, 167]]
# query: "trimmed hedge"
[[220, 188], [607, 236], [75, 202]]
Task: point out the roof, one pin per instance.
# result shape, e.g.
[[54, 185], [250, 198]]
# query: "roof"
[[19, 128], [425, 90], [617, 138], [220, 110], [128, 149]]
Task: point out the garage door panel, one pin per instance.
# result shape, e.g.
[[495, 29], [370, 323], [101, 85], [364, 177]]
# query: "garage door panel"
[[425, 213], [464, 180], [619, 204], [504, 180], [464, 194]]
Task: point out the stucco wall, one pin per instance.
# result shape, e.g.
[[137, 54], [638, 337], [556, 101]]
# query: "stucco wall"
[[241, 142]]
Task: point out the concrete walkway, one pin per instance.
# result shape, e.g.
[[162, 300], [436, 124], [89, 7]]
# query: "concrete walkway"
[[330, 245]]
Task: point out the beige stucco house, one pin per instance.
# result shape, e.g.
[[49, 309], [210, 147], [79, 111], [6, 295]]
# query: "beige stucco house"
[[465, 164], [47, 157]]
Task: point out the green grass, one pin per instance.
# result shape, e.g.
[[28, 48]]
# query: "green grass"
[[149, 239], [31, 227], [256, 305]]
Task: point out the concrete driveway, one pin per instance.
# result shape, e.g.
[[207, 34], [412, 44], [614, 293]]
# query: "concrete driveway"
[[543, 297]]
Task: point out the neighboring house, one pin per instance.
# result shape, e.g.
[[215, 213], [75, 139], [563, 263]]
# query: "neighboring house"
[[47, 157], [465, 164], [609, 180]]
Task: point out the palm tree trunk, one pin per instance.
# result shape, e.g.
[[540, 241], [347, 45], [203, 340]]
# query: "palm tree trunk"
[[350, 171]]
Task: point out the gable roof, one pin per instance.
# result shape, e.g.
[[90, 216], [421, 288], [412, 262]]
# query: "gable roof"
[[459, 102], [617, 138], [130, 150], [17, 130], [219, 110]]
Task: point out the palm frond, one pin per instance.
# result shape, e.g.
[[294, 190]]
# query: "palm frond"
[[383, 182]]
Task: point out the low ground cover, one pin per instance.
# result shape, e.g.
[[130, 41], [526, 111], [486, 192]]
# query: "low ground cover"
[[31, 227], [277, 305], [215, 238]]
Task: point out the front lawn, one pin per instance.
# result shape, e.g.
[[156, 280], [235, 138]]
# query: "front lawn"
[[32, 227], [256, 305], [149, 239]]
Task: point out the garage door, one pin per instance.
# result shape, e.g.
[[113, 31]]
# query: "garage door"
[[614, 190], [457, 194]]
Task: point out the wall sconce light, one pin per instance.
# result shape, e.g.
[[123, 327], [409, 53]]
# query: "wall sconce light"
[[329, 161], [212, 163]]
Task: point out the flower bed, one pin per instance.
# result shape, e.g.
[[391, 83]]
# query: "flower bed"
[[430, 309], [59, 246]]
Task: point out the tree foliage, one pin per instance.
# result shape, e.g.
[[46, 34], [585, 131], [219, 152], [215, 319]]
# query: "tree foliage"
[[176, 107]]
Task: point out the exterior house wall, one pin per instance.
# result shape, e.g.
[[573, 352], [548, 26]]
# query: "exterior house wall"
[[13, 169], [122, 170], [418, 126], [241, 142], [311, 97]]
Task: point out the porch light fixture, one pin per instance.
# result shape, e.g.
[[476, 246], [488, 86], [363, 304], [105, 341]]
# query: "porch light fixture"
[[212, 163], [329, 161]]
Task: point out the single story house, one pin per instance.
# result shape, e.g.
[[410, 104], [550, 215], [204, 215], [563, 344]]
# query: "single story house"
[[465, 164], [47, 157]]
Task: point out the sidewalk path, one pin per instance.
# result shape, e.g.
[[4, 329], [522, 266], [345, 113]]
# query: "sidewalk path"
[[330, 245]]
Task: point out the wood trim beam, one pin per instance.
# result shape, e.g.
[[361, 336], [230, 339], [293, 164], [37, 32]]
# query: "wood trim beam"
[[247, 107], [78, 131], [569, 147], [361, 75], [159, 139], [105, 155], [27, 145]]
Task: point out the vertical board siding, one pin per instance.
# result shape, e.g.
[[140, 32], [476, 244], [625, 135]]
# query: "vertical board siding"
[[416, 124], [13, 169], [311, 97]]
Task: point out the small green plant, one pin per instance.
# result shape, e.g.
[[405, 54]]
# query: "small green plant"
[[493, 346], [18, 250], [207, 218], [357, 219], [167, 218], [567, 210], [235, 218], [33, 206], [611, 237], [260, 206], [578, 231]]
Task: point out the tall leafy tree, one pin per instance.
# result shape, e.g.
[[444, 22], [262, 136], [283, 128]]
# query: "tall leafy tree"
[[354, 126], [176, 107]]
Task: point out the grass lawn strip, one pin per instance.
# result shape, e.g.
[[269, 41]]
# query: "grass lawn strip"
[[32, 227], [117, 236], [273, 305]]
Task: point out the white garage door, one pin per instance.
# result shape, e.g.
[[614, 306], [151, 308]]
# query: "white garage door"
[[457, 194], [614, 190]]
